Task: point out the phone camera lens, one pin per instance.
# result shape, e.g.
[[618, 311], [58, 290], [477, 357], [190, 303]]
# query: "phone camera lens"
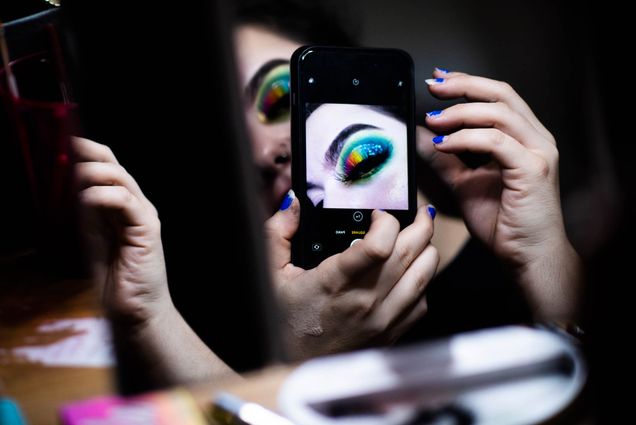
[[355, 81]]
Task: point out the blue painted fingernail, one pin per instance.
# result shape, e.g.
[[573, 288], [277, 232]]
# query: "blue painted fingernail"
[[434, 81], [433, 114], [289, 198], [438, 139], [444, 70], [431, 211]]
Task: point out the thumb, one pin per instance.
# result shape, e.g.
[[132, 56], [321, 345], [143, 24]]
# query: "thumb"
[[280, 228]]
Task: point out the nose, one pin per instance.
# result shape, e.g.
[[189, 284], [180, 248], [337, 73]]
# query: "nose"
[[273, 158]]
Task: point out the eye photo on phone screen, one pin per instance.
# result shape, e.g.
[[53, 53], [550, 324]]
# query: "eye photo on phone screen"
[[356, 156], [353, 144]]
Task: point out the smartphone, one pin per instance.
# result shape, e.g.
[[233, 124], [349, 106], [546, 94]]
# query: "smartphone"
[[353, 144]]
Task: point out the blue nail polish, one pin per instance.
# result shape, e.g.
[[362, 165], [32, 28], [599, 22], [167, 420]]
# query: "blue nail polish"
[[431, 211], [433, 113], [438, 139], [289, 198], [444, 70], [439, 80]]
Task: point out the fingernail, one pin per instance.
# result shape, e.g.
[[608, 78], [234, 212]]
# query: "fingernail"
[[434, 81], [443, 70], [431, 211], [433, 114], [289, 198], [439, 139]]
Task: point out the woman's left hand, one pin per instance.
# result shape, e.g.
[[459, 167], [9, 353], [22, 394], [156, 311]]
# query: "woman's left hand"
[[512, 203]]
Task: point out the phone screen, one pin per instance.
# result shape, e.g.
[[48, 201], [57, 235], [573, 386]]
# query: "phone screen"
[[353, 143]]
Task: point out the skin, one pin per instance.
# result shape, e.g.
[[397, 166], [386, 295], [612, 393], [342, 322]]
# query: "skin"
[[372, 292]]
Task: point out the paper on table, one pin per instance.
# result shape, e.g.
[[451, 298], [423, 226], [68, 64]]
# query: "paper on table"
[[87, 343]]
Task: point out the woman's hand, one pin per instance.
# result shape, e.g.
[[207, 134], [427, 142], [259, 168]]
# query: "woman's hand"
[[124, 234], [512, 203], [369, 294]]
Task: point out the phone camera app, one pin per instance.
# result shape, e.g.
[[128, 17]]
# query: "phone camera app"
[[355, 81]]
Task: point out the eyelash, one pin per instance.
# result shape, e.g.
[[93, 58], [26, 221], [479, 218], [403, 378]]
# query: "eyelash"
[[364, 154], [272, 98]]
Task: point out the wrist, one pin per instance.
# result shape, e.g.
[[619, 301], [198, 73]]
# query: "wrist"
[[552, 282], [143, 318]]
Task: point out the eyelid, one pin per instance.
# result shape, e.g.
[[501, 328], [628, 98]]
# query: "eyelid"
[[334, 150], [365, 147], [272, 98], [251, 89]]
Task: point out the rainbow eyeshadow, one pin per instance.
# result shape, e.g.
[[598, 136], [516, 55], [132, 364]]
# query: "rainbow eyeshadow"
[[364, 154], [272, 98]]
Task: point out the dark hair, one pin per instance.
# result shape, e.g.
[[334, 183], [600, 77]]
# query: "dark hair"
[[325, 22]]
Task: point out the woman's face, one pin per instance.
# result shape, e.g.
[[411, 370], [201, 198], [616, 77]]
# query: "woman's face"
[[263, 61], [356, 158]]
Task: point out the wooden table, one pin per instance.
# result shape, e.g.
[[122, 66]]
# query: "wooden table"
[[27, 301]]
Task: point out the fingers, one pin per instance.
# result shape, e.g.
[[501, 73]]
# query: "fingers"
[[410, 288], [280, 228], [86, 150], [486, 115], [105, 174], [103, 183], [409, 245], [448, 166], [454, 85], [116, 198], [504, 149], [375, 248], [415, 314]]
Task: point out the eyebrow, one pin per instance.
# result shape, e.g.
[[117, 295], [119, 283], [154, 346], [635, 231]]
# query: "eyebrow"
[[254, 83], [332, 154]]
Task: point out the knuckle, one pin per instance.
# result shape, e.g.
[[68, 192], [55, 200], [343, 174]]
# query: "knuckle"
[[119, 169], [405, 257], [107, 152], [496, 137], [551, 139], [377, 250], [124, 194], [364, 305], [552, 154], [154, 225], [377, 327], [505, 89], [154, 212], [502, 109], [540, 167]]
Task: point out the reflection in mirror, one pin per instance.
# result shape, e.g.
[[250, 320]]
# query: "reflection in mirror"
[[184, 186]]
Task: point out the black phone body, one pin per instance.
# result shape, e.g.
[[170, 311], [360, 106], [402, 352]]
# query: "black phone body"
[[353, 144]]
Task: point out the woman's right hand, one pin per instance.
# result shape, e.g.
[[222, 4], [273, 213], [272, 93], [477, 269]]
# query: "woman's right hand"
[[369, 294], [124, 236]]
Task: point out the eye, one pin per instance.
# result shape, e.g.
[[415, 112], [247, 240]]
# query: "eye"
[[272, 98], [364, 154]]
